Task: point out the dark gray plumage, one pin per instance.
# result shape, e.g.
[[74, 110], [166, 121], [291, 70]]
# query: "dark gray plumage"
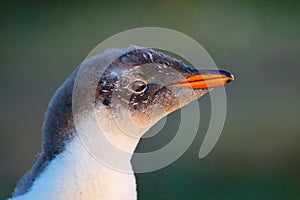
[[58, 125]]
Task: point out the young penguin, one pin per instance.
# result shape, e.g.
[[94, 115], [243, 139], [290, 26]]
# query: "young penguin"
[[135, 88]]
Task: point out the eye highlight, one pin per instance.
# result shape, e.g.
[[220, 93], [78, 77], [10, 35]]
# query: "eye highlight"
[[137, 86]]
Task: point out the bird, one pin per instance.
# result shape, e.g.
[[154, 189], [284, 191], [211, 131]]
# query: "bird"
[[137, 88]]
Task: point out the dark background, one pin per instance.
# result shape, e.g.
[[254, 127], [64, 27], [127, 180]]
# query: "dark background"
[[257, 156]]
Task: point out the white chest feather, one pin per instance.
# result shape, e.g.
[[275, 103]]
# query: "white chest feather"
[[76, 175]]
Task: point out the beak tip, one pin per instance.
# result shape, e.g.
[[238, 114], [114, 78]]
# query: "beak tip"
[[231, 78]]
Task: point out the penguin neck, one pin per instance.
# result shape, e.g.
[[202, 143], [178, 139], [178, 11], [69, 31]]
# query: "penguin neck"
[[78, 173]]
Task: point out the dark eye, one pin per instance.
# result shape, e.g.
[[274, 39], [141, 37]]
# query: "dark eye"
[[137, 86]]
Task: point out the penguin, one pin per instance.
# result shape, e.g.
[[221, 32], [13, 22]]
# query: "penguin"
[[132, 89]]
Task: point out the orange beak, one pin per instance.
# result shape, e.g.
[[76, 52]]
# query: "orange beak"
[[208, 79]]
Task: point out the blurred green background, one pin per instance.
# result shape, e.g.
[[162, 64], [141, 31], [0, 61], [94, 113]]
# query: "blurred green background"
[[257, 156]]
